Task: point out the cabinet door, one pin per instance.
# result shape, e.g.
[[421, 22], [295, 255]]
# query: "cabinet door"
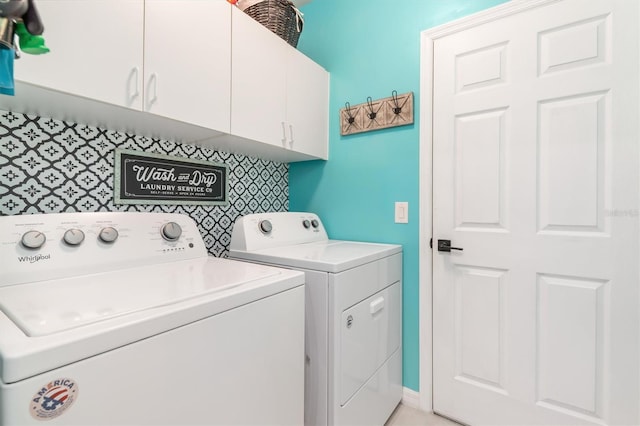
[[187, 54], [258, 97], [96, 50], [307, 106]]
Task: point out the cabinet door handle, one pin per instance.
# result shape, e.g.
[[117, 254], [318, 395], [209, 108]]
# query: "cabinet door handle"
[[153, 81], [291, 134], [284, 135], [134, 76]]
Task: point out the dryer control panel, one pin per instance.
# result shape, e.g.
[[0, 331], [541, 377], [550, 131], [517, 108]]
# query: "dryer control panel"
[[59, 245], [267, 230]]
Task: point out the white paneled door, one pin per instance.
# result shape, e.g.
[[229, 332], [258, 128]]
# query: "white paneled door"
[[535, 177]]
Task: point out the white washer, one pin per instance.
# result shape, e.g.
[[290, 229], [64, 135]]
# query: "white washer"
[[353, 326], [122, 318]]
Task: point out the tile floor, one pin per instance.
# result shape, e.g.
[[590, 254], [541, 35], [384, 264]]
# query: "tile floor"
[[407, 416]]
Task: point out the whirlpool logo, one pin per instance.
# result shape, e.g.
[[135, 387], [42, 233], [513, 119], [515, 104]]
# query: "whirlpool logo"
[[34, 259]]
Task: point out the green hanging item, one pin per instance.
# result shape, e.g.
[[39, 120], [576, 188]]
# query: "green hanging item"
[[32, 44]]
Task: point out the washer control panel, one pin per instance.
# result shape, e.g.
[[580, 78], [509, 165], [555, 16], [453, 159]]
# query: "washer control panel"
[[47, 246], [265, 230]]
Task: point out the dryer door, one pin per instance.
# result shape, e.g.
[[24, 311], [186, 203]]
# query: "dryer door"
[[371, 332]]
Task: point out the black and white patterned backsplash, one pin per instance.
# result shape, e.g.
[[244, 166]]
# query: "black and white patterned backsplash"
[[52, 166]]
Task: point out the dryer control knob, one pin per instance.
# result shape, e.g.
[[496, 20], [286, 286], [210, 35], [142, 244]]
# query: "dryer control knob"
[[171, 231], [33, 239], [108, 234], [315, 223], [306, 224], [265, 226], [73, 237]]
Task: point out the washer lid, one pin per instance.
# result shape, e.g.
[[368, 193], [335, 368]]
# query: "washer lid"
[[48, 307], [329, 256], [74, 319]]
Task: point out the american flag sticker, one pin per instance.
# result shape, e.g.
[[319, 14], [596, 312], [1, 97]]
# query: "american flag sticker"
[[53, 399]]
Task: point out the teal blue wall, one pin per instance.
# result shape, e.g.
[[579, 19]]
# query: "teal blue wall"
[[372, 47]]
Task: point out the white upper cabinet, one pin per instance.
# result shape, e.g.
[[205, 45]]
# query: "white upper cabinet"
[[187, 70], [96, 50], [195, 71], [139, 54], [259, 66], [307, 106], [279, 96]]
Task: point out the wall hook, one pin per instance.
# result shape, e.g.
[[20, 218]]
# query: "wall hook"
[[350, 117], [371, 114], [397, 109]]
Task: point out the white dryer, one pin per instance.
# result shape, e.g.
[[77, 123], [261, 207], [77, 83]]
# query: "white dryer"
[[353, 343], [122, 318]]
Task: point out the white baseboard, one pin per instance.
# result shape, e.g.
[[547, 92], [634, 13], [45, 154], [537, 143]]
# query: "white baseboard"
[[411, 398]]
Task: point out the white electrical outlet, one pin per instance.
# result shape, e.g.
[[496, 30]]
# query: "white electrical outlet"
[[402, 212]]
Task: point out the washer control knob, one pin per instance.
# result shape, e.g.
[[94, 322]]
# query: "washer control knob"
[[108, 234], [265, 226], [306, 224], [73, 237], [315, 223], [171, 231], [33, 239]]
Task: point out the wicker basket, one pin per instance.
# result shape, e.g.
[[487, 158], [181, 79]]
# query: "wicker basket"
[[279, 16]]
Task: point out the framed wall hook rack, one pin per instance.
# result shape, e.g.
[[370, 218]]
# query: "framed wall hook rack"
[[396, 110]]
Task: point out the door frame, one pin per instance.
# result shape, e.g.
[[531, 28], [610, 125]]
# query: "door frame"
[[427, 40]]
